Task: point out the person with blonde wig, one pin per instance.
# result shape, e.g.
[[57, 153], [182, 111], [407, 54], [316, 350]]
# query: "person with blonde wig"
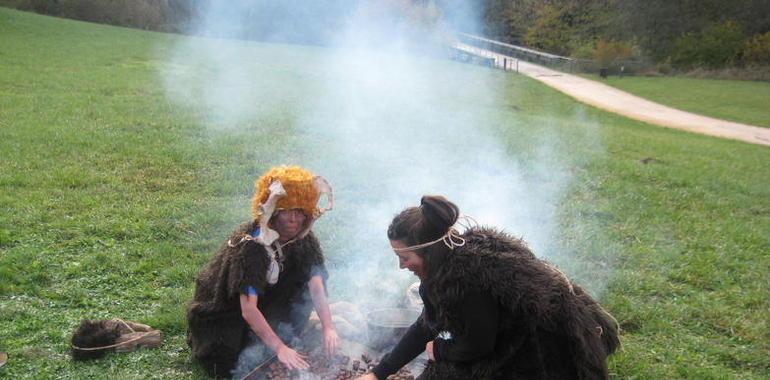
[[255, 295], [491, 309]]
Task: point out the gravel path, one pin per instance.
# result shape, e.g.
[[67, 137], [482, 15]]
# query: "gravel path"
[[614, 100]]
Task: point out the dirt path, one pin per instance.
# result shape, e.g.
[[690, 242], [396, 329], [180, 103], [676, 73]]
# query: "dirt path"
[[614, 100]]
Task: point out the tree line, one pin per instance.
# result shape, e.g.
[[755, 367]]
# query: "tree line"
[[315, 22], [682, 34], [159, 15]]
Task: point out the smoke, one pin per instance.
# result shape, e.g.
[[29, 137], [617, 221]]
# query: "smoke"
[[379, 112], [401, 131]]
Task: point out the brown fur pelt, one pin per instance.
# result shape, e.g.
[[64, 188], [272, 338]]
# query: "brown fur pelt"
[[93, 333], [127, 335]]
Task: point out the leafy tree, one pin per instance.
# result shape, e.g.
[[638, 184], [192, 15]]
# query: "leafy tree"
[[662, 26], [551, 30], [509, 20], [608, 52], [661, 30], [717, 46], [757, 50]]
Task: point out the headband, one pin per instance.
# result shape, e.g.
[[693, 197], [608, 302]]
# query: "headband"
[[451, 238]]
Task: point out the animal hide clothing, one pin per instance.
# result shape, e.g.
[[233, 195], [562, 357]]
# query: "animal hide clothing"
[[546, 326], [216, 330], [93, 338]]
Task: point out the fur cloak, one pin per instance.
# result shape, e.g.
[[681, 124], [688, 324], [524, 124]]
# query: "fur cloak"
[[550, 328], [125, 336], [216, 330]]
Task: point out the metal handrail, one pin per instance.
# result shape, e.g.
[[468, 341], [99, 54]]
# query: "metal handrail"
[[516, 47]]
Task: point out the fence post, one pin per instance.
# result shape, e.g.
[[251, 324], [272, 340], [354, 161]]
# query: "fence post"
[[505, 64]]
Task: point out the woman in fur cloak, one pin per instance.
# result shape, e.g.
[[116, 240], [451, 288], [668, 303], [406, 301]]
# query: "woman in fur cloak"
[[257, 292], [492, 310]]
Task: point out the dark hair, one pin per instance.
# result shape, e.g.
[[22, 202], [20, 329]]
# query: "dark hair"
[[428, 222]]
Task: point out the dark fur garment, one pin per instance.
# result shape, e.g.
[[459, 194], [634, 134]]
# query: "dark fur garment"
[[93, 333], [216, 329], [550, 327]]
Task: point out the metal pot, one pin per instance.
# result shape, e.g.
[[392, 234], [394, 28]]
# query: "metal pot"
[[385, 327]]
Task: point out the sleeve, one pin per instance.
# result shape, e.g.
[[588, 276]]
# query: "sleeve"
[[317, 264], [319, 270], [480, 315], [247, 267], [410, 345]]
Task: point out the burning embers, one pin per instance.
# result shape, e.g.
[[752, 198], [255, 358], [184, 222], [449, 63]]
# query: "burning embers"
[[338, 367], [380, 329]]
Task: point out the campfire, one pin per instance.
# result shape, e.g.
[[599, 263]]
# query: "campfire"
[[351, 361], [364, 337], [383, 329], [339, 367]]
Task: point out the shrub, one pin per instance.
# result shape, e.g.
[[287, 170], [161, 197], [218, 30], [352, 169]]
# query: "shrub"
[[718, 45], [584, 50], [664, 68], [167, 15], [38, 6], [757, 50], [549, 32], [608, 52]]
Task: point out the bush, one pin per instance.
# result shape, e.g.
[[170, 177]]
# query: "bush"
[[608, 52], [549, 32], [38, 6], [664, 68], [584, 50], [167, 15], [756, 51], [717, 46]]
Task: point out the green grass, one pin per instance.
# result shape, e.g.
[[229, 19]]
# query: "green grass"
[[113, 198], [734, 100]]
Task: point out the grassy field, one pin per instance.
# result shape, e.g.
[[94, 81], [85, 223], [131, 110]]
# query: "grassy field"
[[113, 198], [741, 101]]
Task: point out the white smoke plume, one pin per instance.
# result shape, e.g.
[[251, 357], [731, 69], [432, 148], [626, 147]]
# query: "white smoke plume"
[[384, 116]]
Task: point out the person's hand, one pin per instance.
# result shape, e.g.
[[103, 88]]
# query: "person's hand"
[[331, 341], [368, 376], [429, 350], [290, 358]]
